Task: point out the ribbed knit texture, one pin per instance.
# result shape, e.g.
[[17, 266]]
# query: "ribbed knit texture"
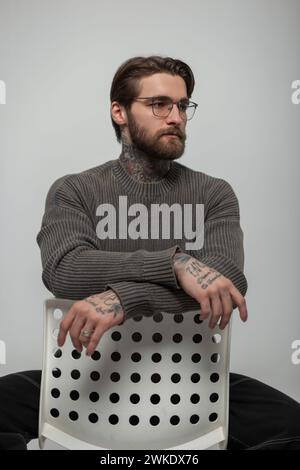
[[76, 263]]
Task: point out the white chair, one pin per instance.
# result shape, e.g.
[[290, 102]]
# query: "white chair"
[[157, 382]]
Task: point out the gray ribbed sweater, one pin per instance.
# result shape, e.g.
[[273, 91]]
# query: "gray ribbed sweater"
[[76, 263]]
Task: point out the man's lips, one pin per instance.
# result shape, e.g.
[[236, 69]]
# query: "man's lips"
[[173, 135]]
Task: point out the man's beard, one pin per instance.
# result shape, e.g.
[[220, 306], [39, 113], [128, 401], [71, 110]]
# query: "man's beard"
[[158, 147]]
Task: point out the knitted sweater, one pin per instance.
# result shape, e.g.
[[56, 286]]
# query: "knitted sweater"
[[79, 261]]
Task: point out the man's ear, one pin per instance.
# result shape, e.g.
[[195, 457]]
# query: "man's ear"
[[118, 113]]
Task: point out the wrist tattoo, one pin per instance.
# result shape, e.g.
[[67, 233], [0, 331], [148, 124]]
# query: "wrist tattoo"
[[181, 258], [197, 269], [111, 303]]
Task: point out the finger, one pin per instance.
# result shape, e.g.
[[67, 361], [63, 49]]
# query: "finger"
[[77, 326], [65, 325], [217, 310], [240, 302], [89, 326], [94, 340], [227, 308], [205, 308]]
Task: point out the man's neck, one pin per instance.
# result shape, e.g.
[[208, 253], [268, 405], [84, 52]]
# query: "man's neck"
[[140, 166]]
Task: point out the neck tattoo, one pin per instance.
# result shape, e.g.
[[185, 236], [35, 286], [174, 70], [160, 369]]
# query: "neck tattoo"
[[142, 167]]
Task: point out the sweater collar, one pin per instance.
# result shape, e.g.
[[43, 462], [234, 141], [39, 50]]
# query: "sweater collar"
[[142, 189]]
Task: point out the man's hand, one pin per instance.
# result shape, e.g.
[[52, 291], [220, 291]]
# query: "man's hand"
[[88, 319], [215, 292]]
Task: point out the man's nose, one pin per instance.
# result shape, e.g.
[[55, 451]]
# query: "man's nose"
[[175, 115]]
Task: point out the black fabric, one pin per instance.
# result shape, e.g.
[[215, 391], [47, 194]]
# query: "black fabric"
[[260, 417], [19, 409]]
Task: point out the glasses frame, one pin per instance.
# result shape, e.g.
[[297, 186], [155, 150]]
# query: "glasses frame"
[[156, 98]]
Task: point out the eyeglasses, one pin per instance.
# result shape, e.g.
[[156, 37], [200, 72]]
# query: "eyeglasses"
[[162, 106]]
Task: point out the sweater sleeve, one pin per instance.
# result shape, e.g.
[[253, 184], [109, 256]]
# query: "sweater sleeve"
[[75, 266], [222, 250], [223, 247], [147, 299]]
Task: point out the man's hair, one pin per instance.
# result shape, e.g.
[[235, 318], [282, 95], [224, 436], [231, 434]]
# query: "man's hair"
[[126, 82]]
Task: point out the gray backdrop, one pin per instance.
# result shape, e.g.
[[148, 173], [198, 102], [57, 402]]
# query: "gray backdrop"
[[57, 60]]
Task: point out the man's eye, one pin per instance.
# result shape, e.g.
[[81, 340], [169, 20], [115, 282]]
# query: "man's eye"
[[160, 103]]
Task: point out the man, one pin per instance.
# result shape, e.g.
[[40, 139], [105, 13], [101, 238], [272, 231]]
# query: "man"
[[117, 271]]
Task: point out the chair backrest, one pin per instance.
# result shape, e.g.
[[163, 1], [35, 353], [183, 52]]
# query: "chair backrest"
[[157, 382]]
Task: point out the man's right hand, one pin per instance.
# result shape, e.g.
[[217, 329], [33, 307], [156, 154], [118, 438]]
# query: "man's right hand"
[[215, 293]]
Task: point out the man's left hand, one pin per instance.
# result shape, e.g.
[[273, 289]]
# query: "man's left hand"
[[88, 319]]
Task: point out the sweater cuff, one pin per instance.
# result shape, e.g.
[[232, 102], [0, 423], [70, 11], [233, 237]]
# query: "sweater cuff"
[[158, 267], [135, 300]]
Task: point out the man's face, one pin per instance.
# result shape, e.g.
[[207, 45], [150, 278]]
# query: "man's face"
[[148, 132]]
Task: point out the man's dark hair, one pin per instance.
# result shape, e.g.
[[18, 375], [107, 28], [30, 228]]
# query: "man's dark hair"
[[126, 82]]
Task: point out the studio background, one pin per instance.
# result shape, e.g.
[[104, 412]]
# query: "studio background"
[[58, 58]]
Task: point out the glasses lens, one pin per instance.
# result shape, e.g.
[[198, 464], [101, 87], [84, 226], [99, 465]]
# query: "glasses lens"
[[162, 108], [190, 111]]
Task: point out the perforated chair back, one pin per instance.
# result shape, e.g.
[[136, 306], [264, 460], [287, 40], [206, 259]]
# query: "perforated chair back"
[[153, 383]]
